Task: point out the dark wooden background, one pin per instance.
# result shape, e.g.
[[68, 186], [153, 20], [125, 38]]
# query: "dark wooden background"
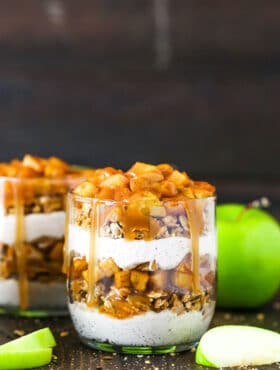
[[192, 82]]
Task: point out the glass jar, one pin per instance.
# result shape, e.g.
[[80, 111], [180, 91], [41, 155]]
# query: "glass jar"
[[141, 278], [32, 221]]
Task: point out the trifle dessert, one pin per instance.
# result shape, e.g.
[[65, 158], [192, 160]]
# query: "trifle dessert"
[[32, 219], [141, 259]]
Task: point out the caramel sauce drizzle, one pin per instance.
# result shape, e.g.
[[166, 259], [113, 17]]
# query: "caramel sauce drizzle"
[[194, 223], [66, 256], [92, 254], [19, 247]]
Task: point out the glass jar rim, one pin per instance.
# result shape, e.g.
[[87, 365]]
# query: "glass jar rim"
[[81, 198]]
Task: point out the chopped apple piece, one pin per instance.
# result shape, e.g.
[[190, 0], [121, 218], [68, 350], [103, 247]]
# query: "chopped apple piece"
[[36, 163], [79, 265], [165, 169], [139, 280], [140, 168], [168, 189], [158, 280], [180, 179], [122, 279], [182, 280], [86, 189], [115, 181], [108, 267]]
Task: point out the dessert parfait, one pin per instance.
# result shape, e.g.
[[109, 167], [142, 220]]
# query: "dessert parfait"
[[32, 218], [141, 255]]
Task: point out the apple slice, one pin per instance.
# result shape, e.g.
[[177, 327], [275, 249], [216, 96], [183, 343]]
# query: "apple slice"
[[42, 338], [236, 345], [10, 360]]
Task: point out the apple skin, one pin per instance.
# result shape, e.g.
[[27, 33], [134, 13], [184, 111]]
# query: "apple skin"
[[248, 272]]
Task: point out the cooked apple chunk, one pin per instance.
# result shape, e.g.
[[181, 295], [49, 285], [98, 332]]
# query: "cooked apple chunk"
[[108, 267], [182, 280], [122, 279], [158, 280], [139, 280]]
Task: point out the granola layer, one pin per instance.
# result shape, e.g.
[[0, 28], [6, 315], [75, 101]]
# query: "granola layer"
[[43, 259]]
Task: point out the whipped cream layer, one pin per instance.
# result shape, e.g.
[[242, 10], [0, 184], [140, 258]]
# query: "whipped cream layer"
[[36, 225], [127, 254], [148, 329], [40, 295]]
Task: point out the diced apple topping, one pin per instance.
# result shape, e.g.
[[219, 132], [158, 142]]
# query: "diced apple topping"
[[151, 201], [86, 189], [139, 280], [161, 180], [108, 267]]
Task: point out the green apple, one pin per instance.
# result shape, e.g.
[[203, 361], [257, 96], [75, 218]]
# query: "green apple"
[[42, 338], [15, 360], [30, 351], [235, 345], [248, 256]]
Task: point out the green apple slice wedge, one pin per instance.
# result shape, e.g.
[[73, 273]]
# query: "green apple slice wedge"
[[42, 338], [11, 360], [236, 345]]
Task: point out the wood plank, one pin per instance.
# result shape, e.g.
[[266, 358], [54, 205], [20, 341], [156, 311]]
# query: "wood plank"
[[197, 31], [212, 125]]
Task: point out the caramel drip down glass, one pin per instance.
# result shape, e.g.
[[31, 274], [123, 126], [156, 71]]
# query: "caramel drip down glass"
[[141, 277]]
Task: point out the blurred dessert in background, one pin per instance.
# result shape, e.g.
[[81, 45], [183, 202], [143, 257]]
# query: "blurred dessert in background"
[[32, 217]]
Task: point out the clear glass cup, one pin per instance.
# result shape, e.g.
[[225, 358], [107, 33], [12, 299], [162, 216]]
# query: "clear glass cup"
[[32, 221], [141, 277]]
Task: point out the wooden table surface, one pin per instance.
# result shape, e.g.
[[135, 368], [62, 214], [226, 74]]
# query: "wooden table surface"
[[71, 354]]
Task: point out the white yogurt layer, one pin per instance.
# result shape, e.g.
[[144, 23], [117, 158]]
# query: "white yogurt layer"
[[41, 295], [35, 224], [148, 329], [167, 252]]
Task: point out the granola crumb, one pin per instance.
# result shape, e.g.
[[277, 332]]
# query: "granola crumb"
[[172, 354], [64, 333], [147, 361], [260, 316], [107, 357], [140, 356], [19, 332], [54, 357]]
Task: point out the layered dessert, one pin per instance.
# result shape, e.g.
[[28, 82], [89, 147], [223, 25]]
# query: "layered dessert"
[[32, 218], [141, 255]]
